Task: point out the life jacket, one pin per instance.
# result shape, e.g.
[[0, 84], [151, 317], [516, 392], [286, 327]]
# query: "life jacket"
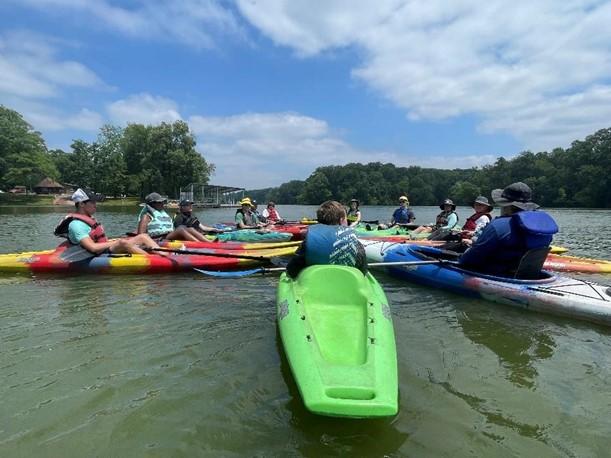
[[352, 216], [402, 215], [326, 244], [96, 233], [160, 223], [248, 219], [528, 230], [470, 223], [442, 218], [272, 215], [185, 219]]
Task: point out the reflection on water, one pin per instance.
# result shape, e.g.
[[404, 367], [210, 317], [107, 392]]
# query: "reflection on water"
[[188, 365]]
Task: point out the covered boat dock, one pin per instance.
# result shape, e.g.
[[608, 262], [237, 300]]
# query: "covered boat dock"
[[212, 196]]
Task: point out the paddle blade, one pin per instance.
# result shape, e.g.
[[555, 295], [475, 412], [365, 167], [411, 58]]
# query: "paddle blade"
[[235, 274]]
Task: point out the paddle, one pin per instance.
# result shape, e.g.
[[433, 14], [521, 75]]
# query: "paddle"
[[210, 253], [263, 270]]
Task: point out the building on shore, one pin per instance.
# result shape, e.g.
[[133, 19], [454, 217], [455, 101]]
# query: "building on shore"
[[49, 186], [210, 195]]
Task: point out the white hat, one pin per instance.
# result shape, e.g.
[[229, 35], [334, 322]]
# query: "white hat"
[[83, 196]]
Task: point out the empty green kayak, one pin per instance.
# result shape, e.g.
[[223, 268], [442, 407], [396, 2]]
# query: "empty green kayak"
[[337, 333]]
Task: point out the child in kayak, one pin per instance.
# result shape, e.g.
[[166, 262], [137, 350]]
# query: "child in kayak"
[[329, 242], [354, 214], [86, 236], [477, 221], [520, 228], [185, 218], [154, 221], [271, 214]]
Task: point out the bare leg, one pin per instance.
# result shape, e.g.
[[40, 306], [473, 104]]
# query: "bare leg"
[[181, 233], [198, 235]]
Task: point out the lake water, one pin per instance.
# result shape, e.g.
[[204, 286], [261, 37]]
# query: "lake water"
[[186, 365]]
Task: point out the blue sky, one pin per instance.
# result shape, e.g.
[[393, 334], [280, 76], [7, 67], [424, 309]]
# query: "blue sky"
[[273, 89]]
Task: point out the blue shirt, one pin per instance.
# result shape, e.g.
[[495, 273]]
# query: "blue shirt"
[[403, 215]]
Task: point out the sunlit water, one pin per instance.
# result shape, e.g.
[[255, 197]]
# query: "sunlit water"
[[185, 365]]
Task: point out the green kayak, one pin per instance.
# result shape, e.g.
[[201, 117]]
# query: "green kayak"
[[337, 333], [249, 235]]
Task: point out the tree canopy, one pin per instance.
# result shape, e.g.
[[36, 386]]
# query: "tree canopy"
[[574, 177], [136, 160]]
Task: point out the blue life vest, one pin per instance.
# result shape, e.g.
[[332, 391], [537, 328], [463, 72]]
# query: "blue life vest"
[[331, 245], [160, 224]]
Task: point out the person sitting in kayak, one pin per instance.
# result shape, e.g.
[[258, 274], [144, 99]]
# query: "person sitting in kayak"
[[185, 218], [154, 221], [520, 228], [403, 214], [83, 231], [354, 214], [270, 213], [330, 241], [445, 221], [245, 218], [477, 221]]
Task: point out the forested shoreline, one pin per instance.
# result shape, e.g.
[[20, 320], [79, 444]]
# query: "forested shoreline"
[[574, 177], [134, 160], [139, 159]]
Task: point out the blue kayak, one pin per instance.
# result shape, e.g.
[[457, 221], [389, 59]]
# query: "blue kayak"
[[553, 294]]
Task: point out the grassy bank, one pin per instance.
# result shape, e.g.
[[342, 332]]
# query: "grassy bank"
[[35, 200]]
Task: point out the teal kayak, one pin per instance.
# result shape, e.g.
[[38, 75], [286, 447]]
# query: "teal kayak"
[[339, 341], [249, 235]]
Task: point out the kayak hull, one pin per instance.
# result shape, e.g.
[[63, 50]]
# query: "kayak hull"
[[61, 261], [339, 341], [225, 246], [576, 264], [553, 294]]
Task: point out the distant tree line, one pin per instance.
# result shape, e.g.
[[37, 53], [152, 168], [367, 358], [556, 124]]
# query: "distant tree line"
[[573, 177], [139, 159], [135, 161]]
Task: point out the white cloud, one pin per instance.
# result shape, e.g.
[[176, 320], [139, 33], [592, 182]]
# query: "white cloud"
[[497, 60], [143, 108], [268, 149], [30, 67], [193, 22]]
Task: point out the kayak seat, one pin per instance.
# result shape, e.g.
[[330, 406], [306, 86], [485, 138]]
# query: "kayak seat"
[[335, 301], [531, 264]]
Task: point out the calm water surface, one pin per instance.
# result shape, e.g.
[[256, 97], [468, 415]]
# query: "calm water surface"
[[186, 365]]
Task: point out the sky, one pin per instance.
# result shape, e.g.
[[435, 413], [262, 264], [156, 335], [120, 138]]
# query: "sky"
[[273, 89]]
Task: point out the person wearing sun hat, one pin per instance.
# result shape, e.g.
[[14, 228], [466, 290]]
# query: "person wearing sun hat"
[[244, 217], [85, 235], [155, 221], [520, 228], [354, 214], [403, 214], [478, 220], [444, 222]]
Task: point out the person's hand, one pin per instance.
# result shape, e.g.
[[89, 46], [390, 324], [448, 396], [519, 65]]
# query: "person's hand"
[[467, 242]]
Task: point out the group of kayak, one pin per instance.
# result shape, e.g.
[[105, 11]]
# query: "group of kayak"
[[333, 316]]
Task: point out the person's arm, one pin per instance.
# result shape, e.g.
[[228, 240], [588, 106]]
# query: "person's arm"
[[143, 224], [392, 218], [411, 217], [297, 262], [452, 220], [358, 219], [96, 247], [485, 247]]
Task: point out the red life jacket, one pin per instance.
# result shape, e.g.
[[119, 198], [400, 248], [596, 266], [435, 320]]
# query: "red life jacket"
[[96, 233], [273, 214], [470, 223]]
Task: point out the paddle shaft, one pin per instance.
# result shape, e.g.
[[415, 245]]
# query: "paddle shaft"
[[210, 253]]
